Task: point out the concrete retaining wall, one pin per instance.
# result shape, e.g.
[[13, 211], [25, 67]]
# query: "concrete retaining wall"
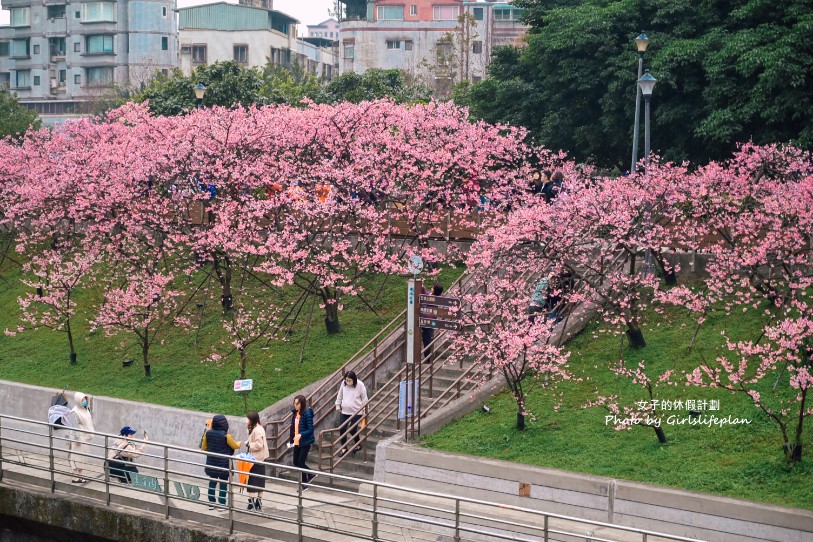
[[75, 519], [684, 513], [163, 424]]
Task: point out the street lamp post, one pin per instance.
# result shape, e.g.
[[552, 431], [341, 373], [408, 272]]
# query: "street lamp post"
[[200, 92], [641, 43], [646, 83]]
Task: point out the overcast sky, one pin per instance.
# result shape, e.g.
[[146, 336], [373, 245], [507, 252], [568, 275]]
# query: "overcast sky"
[[307, 11]]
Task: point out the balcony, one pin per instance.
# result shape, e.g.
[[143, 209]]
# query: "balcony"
[[55, 27], [7, 4]]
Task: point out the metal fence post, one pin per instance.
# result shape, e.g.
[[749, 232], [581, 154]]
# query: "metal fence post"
[[1, 449], [299, 511], [457, 520], [545, 528], [230, 502], [51, 457], [375, 512], [166, 482], [106, 470]]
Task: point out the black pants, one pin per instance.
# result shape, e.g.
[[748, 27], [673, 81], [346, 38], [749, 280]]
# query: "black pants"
[[352, 427], [300, 456], [427, 336]]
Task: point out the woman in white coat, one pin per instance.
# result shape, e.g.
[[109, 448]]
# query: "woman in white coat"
[[79, 440], [351, 398]]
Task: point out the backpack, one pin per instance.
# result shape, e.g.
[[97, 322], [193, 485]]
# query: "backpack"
[[58, 411]]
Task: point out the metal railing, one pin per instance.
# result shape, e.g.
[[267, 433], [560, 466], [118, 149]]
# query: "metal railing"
[[32, 453]]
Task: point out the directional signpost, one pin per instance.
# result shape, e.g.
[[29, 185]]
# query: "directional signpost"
[[438, 312], [423, 311]]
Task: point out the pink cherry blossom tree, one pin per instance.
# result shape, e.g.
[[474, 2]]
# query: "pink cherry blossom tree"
[[753, 214], [55, 278]]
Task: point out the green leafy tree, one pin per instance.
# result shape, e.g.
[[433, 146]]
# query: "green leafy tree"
[[374, 84], [227, 84], [290, 86], [15, 119], [727, 72]]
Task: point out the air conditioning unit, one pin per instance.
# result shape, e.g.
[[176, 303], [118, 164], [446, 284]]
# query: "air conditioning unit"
[[54, 83]]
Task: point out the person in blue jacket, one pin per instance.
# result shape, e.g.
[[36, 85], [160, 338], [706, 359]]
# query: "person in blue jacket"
[[301, 437]]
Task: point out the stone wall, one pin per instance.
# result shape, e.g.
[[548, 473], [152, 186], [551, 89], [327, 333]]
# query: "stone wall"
[[683, 513], [39, 515]]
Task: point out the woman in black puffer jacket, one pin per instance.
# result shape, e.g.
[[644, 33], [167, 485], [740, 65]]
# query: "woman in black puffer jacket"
[[218, 440]]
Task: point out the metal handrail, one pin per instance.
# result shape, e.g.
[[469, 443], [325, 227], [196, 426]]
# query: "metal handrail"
[[321, 407], [374, 414], [431, 516]]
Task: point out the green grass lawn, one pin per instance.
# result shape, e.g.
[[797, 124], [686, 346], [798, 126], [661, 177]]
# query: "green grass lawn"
[[180, 375], [743, 461]]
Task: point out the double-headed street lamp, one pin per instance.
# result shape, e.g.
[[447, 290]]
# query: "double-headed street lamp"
[[641, 43], [200, 92], [646, 83]]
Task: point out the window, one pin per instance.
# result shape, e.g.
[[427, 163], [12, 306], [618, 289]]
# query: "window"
[[502, 14], [36, 80], [165, 43], [23, 79], [476, 78], [443, 50], [446, 13], [186, 50], [241, 54], [99, 76], [390, 13], [93, 12], [76, 47], [408, 45], [517, 14], [413, 10], [19, 49], [478, 14], [392, 44], [36, 49], [349, 51], [77, 79], [99, 45], [56, 46], [199, 54], [63, 76], [56, 12], [20, 16], [164, 12], [77, 15], [4, 48], [477, 47]]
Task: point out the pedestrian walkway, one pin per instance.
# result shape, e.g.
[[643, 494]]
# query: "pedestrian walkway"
[[322, 512]]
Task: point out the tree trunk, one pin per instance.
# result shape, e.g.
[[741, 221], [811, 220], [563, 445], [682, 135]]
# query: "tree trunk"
[[224, 276], [145, 351], [635, 335], [661, 435], [70, 341], [520, 421], [331, 301], [242, 364]]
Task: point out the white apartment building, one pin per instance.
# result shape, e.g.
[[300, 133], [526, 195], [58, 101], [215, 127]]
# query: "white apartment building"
[[328, 29], [249, 35]]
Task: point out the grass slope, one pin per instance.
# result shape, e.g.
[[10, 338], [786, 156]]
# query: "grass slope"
[[743, 461], [180, 377]]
